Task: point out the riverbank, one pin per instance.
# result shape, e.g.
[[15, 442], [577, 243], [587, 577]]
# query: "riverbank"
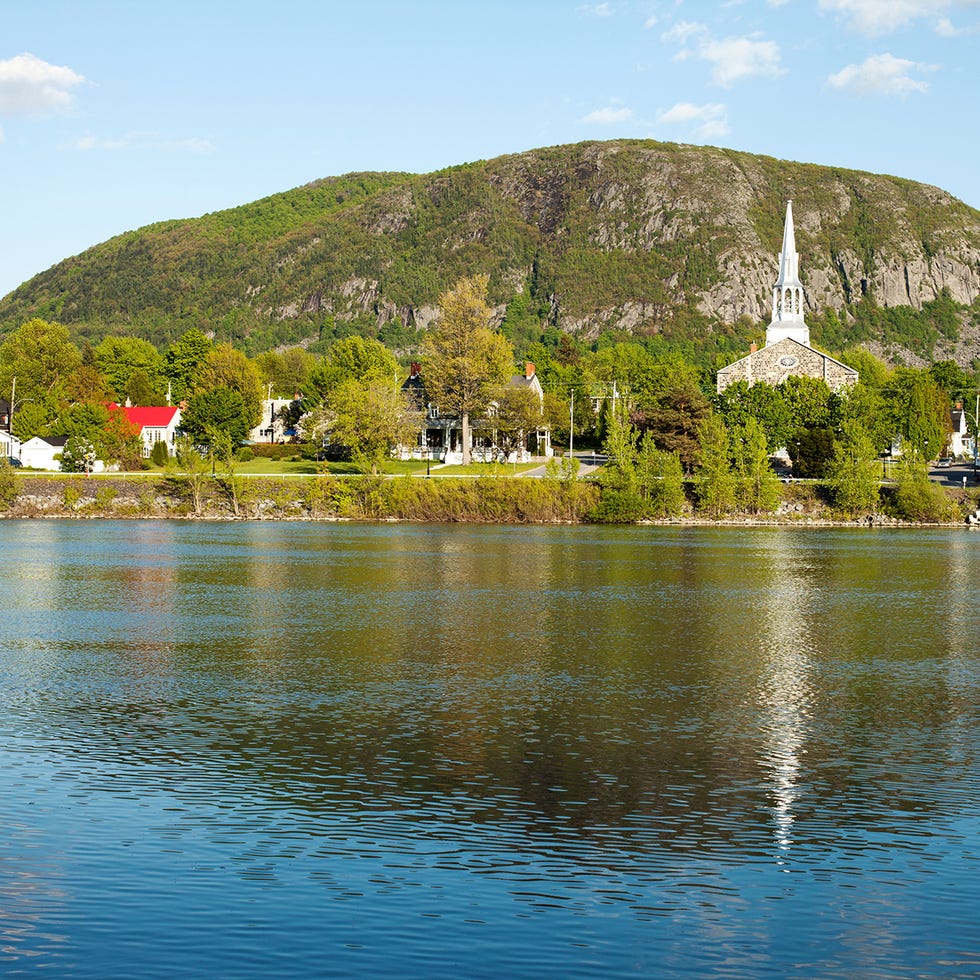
[[484, 500]]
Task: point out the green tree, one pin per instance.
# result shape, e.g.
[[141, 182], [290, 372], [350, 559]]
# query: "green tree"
[[919, 410], [360, 359], [125, 359], [810, 450], [674, 421], [183, 360], [916, 498], [224, 451], [716, 487], [853, 471], [9, 484], [219, 410], [758, 489], [225, 367], [368, 419], [288, 371], [194, 469], [33, 418], [36, 361], [464, 361], [517, 413], [660, 478]]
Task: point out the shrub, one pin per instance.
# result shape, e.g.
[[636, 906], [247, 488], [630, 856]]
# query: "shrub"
[[9, 484], [618, 507], [245, 454], [71, 495], [159, 454]]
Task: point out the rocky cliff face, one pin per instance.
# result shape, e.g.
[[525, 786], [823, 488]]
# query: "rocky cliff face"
[[625, 235]]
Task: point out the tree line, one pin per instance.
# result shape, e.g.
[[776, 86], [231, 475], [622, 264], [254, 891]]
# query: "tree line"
[[653, 408]]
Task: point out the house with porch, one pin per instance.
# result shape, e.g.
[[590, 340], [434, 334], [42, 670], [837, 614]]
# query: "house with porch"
[[441, 434]]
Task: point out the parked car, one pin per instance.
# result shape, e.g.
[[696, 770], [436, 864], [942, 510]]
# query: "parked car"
[[944, 462], [14, 461]]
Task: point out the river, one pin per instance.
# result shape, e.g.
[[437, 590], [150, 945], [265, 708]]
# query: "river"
[[291, 749]]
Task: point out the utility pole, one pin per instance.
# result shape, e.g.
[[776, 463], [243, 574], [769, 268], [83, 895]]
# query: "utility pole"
[[571, 423]]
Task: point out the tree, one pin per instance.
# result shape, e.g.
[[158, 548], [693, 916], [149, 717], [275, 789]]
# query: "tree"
[[660, 478], [195, 469], [758, 486], [119, 441], [41, 357], [464, 362], [228, 368], [853, 471], [183, 360], [33, 419], [216, 411], [225, 452], [78, 455], [368, 419], [716, 485], [354, 358], [123, 360], [675, 419], [810, 451], [287, 371], [916, 497], [517, 412]]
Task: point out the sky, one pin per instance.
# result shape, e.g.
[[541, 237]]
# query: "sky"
[[118, 113]]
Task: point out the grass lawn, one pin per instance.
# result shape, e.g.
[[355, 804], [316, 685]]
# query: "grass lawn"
[[486, 469]]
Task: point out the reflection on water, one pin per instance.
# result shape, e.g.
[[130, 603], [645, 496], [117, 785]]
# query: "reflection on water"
[[259, 748]]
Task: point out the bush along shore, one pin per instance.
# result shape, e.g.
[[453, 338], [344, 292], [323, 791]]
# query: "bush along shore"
[[491, 499]]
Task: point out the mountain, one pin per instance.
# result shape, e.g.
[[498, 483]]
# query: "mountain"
[[636, 236]]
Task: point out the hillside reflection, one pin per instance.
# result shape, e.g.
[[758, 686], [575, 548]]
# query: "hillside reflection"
[[695, 688]]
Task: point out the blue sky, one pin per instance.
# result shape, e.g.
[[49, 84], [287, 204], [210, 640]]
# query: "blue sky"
[[118, 113]]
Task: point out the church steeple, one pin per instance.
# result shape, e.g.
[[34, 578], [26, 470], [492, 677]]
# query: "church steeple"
[[787, 294]]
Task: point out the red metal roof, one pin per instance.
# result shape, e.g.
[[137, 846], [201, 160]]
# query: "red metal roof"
[[153, 416]]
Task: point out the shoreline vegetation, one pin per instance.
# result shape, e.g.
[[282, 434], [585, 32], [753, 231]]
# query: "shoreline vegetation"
[[492, 499]]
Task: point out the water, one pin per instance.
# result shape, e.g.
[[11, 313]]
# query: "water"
[[253, 750]]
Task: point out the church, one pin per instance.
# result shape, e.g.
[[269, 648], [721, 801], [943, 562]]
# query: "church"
[[787, 352]]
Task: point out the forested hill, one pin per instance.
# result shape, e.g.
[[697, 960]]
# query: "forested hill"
[[633, 236]]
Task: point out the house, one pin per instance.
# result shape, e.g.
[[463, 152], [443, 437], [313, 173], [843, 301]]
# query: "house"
[[787, 352], [156, 423], [441, 435], [40, 451], [278, 420], [961, 443]]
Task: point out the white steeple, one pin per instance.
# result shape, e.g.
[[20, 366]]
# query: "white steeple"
[[787, 294]]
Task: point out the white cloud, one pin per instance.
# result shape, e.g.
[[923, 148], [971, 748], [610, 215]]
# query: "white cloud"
[[683, 31], [741, 57], [710, 121], [733, 58], [29, 86], [141, 140], [881, 74], [875, 17], [608, 116], [596, 10]]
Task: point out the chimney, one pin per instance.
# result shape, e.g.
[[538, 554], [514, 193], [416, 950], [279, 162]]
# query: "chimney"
[[753, 347], [959, 406], [416, 369], [529, 370]]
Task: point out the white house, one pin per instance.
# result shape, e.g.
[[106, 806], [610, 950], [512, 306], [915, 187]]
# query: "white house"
[[39, 453], [273, 428], [156, 423]]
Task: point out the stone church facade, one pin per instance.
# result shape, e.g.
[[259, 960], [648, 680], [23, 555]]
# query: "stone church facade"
[[787, 352]]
